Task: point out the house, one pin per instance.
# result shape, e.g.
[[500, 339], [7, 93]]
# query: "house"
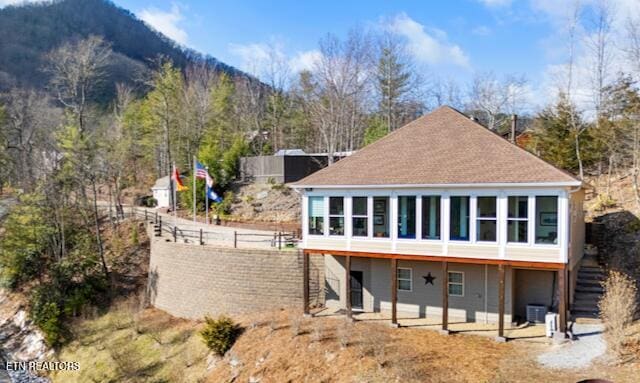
[[287, 165], [162, 192], [444, 218]]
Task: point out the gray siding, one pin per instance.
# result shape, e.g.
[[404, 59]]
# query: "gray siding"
[[424, 300], [533, 287]]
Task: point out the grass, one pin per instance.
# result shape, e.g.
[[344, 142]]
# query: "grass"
[[128, 346]]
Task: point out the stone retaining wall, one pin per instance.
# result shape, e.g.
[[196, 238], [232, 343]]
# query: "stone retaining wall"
[[191, 281]]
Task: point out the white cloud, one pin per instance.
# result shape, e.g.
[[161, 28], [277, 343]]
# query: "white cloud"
[[496, 3], [166, 22], [305, 60], [427, 47], [4, 3], [481, 30], [258, 58]]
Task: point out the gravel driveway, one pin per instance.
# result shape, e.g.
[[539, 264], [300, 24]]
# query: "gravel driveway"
[[578, 353]]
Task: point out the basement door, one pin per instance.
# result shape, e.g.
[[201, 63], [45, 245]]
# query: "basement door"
[[356, 290]]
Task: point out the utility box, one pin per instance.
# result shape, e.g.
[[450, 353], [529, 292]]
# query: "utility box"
[[551, 324]]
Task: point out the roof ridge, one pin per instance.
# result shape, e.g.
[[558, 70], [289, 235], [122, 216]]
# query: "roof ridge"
[[565, 172]]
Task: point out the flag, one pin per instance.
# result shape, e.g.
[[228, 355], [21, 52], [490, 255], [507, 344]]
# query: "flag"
[[212, 195], [209, 181], [176, 178], [201, 171]]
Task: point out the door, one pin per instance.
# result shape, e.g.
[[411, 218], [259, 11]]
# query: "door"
[[356, 290]]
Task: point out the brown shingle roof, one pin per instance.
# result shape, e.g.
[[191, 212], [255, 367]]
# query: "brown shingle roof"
[[442, 147]]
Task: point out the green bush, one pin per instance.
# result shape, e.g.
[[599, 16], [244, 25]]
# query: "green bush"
[[220, 334], [224, 208]]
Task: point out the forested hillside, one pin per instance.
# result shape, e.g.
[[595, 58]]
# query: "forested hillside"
[[30, 31]]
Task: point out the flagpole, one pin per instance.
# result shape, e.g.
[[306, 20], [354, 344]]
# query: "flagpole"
[[175, 195], [194, 189], [206, 199]]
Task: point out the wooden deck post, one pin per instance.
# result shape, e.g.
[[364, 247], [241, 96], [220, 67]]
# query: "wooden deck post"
[[501, 303], [347, 268], [394, 291], [562, 304], [445, 297], [305, 282]]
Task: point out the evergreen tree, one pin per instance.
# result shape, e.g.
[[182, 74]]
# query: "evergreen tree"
[[555, 130], [393, 82]]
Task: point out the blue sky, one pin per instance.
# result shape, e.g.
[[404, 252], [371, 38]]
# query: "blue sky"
[[493, 35], [449, 39]]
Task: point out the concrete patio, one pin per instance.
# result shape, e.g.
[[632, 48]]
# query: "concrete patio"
[[529, 333]]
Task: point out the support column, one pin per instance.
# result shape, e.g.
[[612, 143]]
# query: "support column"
[[347, 267], [305, 282], [501, 336], [445, 297], [394, 292], [562, 304]]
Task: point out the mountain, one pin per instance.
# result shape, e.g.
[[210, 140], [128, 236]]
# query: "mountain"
[[29, 31]]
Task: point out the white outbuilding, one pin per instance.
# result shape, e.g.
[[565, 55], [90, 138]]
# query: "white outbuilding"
[[162, 191]]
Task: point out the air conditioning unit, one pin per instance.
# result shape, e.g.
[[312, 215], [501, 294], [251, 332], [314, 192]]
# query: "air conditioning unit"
[[536, 313]]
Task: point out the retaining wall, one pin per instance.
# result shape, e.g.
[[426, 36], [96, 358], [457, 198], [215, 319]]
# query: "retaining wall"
[[191, 281]]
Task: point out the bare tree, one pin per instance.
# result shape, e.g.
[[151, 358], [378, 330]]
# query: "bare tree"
[[598, 44], [77, 69], [336, 91], [29, 118], [497, 99]]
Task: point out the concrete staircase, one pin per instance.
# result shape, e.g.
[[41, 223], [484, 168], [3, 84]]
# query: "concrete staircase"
[[588, 289]]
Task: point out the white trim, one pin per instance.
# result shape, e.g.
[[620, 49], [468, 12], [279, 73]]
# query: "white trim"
[[461, 185], [455, 283], [405, 279]]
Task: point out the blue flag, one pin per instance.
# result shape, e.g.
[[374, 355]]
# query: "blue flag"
[[212, 195]]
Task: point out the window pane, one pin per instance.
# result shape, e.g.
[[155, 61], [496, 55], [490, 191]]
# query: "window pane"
[[518, 207], [517, 231], [455, 277], [431, 217], [381, 216], [487, 207], [336, 206], [547, 219], [460, 218], [455, 289], [316, 215], [359, 205], [360, 227], [406, 217], [404, 285], [486, 230], [336, 225], [404, 273]]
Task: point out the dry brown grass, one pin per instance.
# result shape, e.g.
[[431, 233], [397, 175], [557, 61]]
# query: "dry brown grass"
[[373, 353], [617, 309]]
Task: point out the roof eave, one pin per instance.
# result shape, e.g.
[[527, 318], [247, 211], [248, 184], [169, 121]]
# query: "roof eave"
[[459, 185]]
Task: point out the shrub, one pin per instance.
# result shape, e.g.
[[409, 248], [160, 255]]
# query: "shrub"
[[220, 334], [224, 208], [617, 308]]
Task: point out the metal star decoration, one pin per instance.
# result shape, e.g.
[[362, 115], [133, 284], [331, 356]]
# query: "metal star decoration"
[[428, 278]]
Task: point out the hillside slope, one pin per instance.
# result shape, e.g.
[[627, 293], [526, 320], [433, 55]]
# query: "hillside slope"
[[30, 31]]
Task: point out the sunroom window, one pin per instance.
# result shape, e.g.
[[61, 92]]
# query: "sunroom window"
[[486, 219], [518, 219], [360, 217], [381, 217], [316, 215], [431, 217], [547, 219], [459, 218], [336, 216], [406, 217]]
